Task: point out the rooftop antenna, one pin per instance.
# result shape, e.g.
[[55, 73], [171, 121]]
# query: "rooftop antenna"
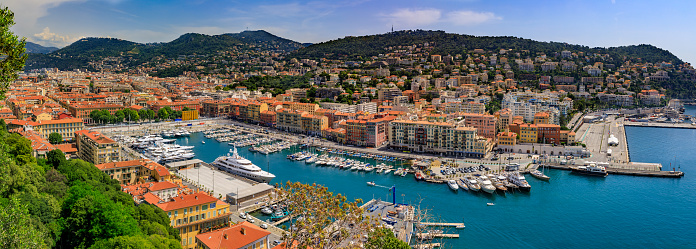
[[392, 28]]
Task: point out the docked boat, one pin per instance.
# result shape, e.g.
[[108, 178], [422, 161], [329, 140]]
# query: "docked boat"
[[520, 181], [487, 185], [453, 185], [472, 184], [267, 211], [387, 171], [419, 176], [592, 169], [462, 184], [539, 175], [238, 165]]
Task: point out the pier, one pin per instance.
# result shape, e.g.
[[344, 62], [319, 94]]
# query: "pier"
[[437, 235], [625, 171], [443, 224], [661, 125], [425, 246]]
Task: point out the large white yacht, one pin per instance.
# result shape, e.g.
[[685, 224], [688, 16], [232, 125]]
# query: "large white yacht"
[[238, 165]]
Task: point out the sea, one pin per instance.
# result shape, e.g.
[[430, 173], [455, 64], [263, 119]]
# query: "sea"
[[569, 211]]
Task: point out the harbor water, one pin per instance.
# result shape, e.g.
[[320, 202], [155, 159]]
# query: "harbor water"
[[570, 211]]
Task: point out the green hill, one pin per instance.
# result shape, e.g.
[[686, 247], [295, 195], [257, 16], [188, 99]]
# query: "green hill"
[[448, 43], [38, 49], [80, 53], [266, 40]]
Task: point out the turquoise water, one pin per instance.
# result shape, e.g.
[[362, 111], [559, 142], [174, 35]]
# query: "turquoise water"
[[570, 211]]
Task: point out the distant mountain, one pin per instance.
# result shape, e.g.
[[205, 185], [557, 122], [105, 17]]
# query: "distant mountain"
[[81, 52], [266, 40], [38, 49], [354, 47]]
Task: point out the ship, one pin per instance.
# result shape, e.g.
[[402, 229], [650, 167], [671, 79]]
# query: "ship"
[[240, 166], [591, 169]]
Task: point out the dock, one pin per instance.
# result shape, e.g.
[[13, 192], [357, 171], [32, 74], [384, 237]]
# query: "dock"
[[284, 219], [661, 125], [437, 235], [425, 246], [443, 224], [625, 171]]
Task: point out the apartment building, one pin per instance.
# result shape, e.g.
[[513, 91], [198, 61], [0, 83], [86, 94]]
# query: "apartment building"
[[437, 137], [65, 127], [388, 94], [193, 214], [83, 109], [134, 171], [314, 124], [485, 124], [289, 120], [96, 148]]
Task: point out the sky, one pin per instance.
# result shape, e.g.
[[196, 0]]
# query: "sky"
[[594, 23]]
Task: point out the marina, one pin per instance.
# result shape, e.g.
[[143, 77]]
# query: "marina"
[[409, 190]]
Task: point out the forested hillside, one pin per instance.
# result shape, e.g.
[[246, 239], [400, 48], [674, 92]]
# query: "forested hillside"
[[58, 203]]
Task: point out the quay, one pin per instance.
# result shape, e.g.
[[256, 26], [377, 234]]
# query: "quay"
[[437, 235], [661, 125], [430, 245], [627, 171], [443, 224]]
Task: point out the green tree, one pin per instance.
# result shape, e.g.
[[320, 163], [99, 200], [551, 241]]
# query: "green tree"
[[143, 114], [150, 114], [383, 238], [88, 216], [55, 138], [324, 208], [120, 116], [163, 114], [55, 157], [218, 88], [16, 230], [12, 49]]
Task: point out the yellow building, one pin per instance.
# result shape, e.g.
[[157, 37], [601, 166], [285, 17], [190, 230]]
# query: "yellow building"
[[289, 120], [507, 138], [130, 172], [542, 118], [189, 115], [43, 116], [65, 127], [305, 107], [96, 148], [437, 137], [313, 124], [528, 133], [194, 214], [254, 110]]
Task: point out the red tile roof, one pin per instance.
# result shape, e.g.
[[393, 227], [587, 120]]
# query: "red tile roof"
[[236, 236], [187, 201]]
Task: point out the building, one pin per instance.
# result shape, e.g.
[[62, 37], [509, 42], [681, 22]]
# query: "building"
[[484, 123], [314, 124], [567, 137], [189, 115], [39, 146], [193, 214], [96, 148], [528, 133], [241, 235], [83, 109], [134, 171], [216, 108], [437, 137], [541, 118], [388, 94], [507, 138], [503, 118], [289, 120], [65, 127]]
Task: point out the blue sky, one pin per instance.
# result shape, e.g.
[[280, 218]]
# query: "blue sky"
[[599, 23]]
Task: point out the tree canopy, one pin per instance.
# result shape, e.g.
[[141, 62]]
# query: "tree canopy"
[[12, 49]]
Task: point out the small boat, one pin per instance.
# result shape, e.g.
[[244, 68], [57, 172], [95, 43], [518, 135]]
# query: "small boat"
[[371, 183], [419, 176], [462, 184], [487, 185], [490, 204], [202, 142], [387, 171], [453, 185], [592, 169], [267, 211], [539, 175], [472, 184]]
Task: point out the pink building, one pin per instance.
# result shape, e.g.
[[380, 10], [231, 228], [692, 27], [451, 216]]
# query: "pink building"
[[484, 123]]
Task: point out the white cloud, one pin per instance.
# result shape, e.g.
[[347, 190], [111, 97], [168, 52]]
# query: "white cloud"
[[467, 17], [415, 17], [52, 39], [28, 11]]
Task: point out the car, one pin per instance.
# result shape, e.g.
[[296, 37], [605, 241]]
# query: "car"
[[264, 226], [494, 159], [242, 215], [250, 219], [276, 242]]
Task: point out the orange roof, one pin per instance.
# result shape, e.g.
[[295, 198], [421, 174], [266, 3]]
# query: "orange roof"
[[121, 164], [236, 236], [67, 148], [187, 201], [95, 136]]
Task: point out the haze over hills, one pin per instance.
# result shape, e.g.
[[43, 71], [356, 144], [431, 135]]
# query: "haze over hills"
[[81, 52], [38, 49]]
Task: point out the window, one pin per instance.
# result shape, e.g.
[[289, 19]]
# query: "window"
[[204, 207], [176, 212], [196, 208], [203, 216]]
